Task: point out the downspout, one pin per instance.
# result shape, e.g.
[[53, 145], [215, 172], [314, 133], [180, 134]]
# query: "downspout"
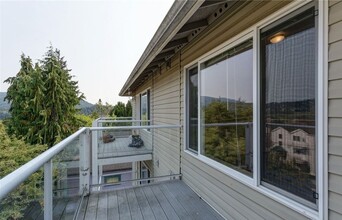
[[180, 113]]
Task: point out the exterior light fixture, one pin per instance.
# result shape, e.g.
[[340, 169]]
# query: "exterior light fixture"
[[277, 38]]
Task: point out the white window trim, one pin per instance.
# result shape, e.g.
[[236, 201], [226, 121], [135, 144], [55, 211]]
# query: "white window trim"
[[322, 139]]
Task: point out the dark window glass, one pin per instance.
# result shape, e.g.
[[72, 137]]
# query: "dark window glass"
[[227, 108], [145, 108], [192, 91], [280, 136], [288, 93]]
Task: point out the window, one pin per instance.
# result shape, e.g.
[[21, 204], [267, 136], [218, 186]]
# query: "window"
[[220, 106], [296, 138], [145, 108], [192, 109], [226, 108], [226, 104], [288, 99]]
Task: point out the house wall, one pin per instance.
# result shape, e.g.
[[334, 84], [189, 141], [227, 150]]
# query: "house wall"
[[335, 112], [233, 199], [166, 110], [228, 196]]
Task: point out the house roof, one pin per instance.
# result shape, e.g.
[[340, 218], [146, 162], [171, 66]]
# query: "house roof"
[[184, 21]]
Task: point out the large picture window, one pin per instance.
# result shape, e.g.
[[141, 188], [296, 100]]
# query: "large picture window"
[[226, 103], [276, 80], [288, 100]]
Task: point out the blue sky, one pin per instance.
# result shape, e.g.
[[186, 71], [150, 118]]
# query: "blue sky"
[[101, 40]]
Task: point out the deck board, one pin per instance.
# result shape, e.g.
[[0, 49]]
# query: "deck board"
[[102, 207], [181, 211], [143, 204], [133, 204], [155, 206], [92, 207], [124, 211], [163, 200], [83, 209], [164, 203], [198, 208]]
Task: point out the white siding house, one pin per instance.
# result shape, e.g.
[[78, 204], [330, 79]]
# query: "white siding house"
[[256, 87]]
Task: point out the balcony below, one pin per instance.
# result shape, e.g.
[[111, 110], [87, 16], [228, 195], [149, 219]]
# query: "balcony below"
[[118, 151]]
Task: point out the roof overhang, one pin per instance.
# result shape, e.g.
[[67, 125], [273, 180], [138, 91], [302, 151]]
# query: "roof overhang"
[[184, 21]]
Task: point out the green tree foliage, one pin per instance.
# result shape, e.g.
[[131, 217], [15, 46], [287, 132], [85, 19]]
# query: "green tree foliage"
[[129, 109], [14, 204], [43, 99], [119, 110], [101, 110], [226, 143], [122, 110]]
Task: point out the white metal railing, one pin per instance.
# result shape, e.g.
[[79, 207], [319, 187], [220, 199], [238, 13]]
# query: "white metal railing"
[[87, 162], [14, 179], [96, 166]]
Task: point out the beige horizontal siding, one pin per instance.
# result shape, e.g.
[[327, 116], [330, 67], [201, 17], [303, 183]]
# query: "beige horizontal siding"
[[335, 145], [335, 110], [251, 200], [335, 51], [335, 183], [166, 111], [335, 202], [335, 12], [335, 32], [335, 71]]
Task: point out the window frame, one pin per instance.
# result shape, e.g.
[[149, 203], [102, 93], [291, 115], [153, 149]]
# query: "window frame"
[[146, 92], [321, 212], [187, 147]]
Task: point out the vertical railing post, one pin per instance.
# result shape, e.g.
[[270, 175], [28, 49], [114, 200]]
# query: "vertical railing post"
[[48, 194], [94, 147], [84, 162]]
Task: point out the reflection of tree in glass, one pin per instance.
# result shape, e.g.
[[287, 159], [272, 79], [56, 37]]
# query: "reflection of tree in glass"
[[226, 142]]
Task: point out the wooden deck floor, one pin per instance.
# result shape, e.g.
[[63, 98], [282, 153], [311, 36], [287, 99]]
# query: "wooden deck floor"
[[165, 200], [119, 148]]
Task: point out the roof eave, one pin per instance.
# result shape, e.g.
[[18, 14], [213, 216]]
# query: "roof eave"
[[176, 17]]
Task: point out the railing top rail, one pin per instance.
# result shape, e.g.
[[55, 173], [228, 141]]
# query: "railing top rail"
[[110, 118], [228, 124], [18, 176], [133, 127], [107, 120]]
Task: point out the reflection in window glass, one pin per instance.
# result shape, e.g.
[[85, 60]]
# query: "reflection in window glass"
[[192, 93], [144, 108], [288, 106], [227, 108]]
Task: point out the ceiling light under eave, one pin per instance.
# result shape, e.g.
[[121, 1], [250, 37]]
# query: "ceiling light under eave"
[[277, 38]]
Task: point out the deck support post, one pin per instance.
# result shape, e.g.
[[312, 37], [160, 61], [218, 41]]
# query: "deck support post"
[[84, 171], [48, 194], [94, 165]]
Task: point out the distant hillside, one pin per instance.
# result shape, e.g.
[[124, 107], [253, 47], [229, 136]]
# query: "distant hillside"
[[84, 106], [3, 105]]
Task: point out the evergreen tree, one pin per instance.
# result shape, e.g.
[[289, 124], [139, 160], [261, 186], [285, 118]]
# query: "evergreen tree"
[[14, 205], [119, 110], [43, 100], [129, 109]]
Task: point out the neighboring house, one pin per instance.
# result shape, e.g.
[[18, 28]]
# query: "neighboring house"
[[223, 69], [299, 145]]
